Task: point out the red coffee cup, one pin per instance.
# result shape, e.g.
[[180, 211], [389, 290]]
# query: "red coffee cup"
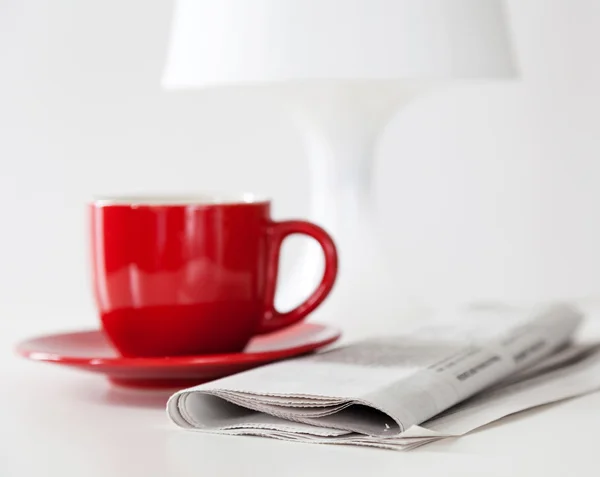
[[186, 276]]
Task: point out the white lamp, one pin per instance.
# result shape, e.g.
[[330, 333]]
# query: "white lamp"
[[344, 67]]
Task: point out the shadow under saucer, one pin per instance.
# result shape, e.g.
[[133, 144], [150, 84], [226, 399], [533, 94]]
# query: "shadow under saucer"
[[127, 397]]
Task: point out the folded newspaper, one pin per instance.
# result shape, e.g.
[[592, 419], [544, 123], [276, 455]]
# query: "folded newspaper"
[[400, 392]]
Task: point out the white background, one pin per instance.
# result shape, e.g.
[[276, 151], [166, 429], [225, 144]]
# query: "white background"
[[487, 192]]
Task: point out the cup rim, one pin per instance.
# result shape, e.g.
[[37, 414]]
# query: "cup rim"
[[176, 200]]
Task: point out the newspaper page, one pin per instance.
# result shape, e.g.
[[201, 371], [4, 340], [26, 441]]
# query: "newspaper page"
[[400, 392]]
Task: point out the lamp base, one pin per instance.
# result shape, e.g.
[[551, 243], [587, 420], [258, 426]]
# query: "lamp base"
[[341, 123]]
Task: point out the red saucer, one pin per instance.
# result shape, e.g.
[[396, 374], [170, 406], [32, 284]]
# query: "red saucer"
[[92, 351]]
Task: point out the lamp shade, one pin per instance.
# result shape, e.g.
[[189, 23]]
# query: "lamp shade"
[[260, 41]]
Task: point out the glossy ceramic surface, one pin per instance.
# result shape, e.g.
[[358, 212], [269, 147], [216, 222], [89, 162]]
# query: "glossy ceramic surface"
[[174, 279], [92, 351]]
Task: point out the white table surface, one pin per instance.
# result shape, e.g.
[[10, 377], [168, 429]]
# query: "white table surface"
[[62, 422]]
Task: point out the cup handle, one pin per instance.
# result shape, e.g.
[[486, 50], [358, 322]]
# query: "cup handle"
[[278, 231]]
